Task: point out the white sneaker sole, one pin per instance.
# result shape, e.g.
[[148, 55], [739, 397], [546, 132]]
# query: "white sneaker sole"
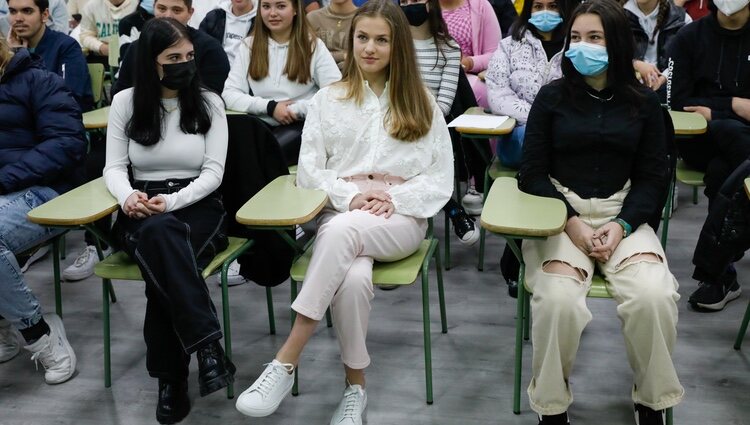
[[731, 295], [36, 256], [261, 413], [471, 239], [56, 322]]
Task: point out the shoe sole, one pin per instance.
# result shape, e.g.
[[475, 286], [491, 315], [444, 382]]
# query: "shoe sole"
[[471, 240], [731, 295], [262, 413], [219, 382], [172, 419], [54, 320], [36, 256]]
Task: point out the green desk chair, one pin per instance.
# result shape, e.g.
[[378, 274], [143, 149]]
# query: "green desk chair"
[[96, 72], [687, 125], [690, 177], [514, 215], [494, 172]]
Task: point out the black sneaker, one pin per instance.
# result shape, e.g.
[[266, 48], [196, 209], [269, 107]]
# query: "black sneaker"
[[647, 416], [561, 419], [714, 296], [512, 288], [464, 227]]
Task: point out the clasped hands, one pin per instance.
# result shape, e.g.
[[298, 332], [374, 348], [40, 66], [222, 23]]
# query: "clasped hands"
[[139, 205], [377, 202], [598, 244]]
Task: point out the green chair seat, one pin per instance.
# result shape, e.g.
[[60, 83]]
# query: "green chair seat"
[[688, 176], [401, 272], [599, 288], [497, 170]]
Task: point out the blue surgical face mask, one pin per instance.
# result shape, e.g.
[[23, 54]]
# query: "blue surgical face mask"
[[588, 59], [148, 6], [545, 20]]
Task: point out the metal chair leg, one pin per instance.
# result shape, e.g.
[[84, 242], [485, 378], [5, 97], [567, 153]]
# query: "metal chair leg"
[[743, 329], [227, 326], [447, 242], [426, 331], [441, 292], [106, 285], [295, 387], [522, 294], [56, 273], [271, 318]]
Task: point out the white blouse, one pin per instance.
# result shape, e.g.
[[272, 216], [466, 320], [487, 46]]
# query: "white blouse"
[[342, 139], [176, 156]]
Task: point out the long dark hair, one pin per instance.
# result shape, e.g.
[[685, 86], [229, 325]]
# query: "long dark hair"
[[521, 24], [620, 49], [438, 28], [664, 7], [145, 126]]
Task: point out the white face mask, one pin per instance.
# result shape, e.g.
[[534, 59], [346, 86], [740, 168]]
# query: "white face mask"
[[730, 7]]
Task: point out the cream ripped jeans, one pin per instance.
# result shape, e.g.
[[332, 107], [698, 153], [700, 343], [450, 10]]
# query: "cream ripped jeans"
[[340, 271], [646, 296]]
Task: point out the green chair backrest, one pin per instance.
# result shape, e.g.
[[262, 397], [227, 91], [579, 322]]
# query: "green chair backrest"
[[114, 51], [96, 71]]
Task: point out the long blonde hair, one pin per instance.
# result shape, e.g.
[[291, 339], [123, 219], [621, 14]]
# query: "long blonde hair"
[[5, 55], [301, 48], [409, 116]]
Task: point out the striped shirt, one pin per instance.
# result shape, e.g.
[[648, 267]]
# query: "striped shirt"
[[439, 71]]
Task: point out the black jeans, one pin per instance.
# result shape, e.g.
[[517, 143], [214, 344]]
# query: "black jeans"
[[171, 250]]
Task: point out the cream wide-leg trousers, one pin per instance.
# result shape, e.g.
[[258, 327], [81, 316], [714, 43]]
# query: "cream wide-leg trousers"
[[646, 296], [340, 271]]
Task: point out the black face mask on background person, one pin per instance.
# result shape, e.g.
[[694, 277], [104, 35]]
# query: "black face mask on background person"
[[178, 75], [416, 13]]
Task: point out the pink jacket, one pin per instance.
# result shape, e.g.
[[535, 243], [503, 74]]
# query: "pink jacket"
[[485, 33]]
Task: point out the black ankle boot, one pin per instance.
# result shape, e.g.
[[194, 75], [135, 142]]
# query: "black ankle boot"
[[561, 419], [215, 370], [174, 403]]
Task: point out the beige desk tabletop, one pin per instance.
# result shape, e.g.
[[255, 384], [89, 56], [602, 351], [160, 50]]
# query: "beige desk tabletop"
[[96, 119], [282, 203], [688, 123], [747, 186], [505, 128], [82, 205]]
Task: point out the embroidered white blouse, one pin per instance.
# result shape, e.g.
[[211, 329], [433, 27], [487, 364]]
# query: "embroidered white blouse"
[[342, 139]]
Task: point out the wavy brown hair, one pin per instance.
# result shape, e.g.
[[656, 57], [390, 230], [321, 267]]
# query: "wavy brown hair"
[[5, 55], [301, 48], [409, 116]]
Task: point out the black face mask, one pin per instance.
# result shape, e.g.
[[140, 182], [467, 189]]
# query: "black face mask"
[[178, 75], [416, 14]]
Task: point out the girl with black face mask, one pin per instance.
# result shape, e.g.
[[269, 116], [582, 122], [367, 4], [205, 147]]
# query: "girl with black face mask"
[[172, 134]]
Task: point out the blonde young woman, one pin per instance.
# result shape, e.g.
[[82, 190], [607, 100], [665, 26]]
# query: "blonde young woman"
[[278, 69], [377, 143]]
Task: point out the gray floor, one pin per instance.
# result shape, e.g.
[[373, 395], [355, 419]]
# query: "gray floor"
[[473, 363]]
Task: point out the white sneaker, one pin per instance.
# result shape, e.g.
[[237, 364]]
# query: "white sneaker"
[[36, 256], [83, 266], [9, 345], [351, 407], [54, 352], [267, 392], [472, 202], [234, 277]]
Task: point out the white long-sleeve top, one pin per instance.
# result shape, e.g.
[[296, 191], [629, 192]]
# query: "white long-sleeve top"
[[176, 156], [276, 86], [343, 139]]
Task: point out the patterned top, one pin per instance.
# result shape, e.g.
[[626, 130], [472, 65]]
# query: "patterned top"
[[439, 70], [459, 27], [343, 139]]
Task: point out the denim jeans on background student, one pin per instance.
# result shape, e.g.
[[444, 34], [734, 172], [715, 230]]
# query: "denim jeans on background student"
[[510, 148], [17, 304]]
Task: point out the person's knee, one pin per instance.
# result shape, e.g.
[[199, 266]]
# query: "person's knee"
[[560, 293], [562, 268], [157, 227], [340, 227], [357, 285], [656, 284]]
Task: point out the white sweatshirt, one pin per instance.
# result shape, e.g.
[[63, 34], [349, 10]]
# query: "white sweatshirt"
[[100, 19], [235, 30], [176, 156], [276, 86]]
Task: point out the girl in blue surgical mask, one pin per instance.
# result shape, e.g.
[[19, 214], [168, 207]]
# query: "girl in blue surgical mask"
[[596, 140]]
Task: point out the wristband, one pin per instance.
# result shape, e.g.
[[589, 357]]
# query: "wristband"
[[271, 107], [626, 228]]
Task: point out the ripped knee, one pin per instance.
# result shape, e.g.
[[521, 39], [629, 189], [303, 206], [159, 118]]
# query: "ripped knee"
[[641, 257], [563, 268]]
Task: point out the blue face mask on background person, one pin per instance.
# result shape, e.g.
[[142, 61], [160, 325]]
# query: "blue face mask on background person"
[[588, 59], [545, 20], [148, 6]]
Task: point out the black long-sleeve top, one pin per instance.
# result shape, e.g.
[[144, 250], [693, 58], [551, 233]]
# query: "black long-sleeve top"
[[594, 147]]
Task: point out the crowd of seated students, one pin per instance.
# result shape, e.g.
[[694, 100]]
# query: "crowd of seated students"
[[358, 95]]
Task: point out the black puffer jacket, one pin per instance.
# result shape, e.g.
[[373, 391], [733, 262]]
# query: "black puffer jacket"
[[215, 23], [674, 21]]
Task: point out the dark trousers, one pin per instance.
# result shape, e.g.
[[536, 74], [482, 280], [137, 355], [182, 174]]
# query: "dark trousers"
[[94, 166], [171, 250], [725, 146]]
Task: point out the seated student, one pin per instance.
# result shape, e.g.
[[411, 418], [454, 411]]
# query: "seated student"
[[58, 16], [99, 20], [381, 190], [595, 140], [474, 26], [230, 24], [711, 77], [210, 58], [654, 24], [61, 54], [75, 8], [331, 24], [439, 61], [42, 143], [201, 9], [173, 135], [130, 26], [278, 70]]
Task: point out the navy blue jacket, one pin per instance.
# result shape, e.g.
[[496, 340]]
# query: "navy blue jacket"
[[42, 140], [63, 56]]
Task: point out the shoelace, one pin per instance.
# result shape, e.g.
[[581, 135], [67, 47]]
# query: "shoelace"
[[270, 379], [83, 258], [351, 404], [43, 356]]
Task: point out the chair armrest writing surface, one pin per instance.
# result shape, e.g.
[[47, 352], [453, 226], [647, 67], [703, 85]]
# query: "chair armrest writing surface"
[[747, 186], [82, 205], [510, 212], [505, 128], [96, 119], [282, 203], [688, 123]]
